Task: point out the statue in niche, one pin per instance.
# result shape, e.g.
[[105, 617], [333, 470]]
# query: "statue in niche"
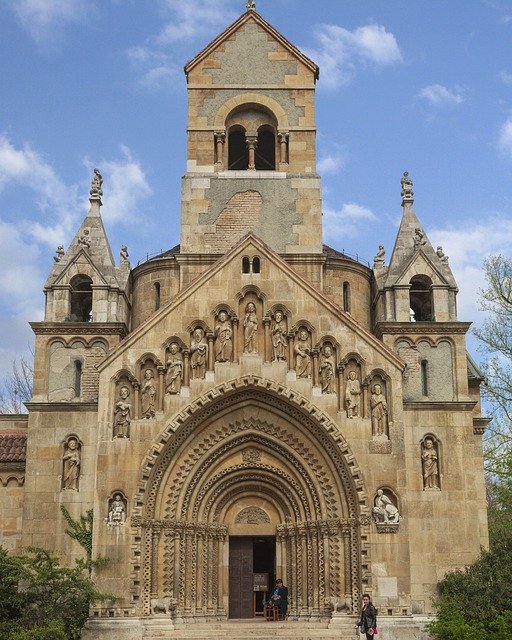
[[327, 370], [223, 348], [198, 353], [384, 510], [250, 328], [117, 512], [430, 466], [379, 409], [352, 395], [174, 376], [303, 355], [71, 459], [279, 337], [148, 394], [122, 414]]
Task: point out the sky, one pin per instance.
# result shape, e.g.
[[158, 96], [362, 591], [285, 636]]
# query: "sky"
[[424, 86]]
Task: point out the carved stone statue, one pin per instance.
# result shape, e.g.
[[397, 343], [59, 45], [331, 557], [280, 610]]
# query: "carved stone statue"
[[279, 337], [407, 192], [148, 394], [71, 459], [96, 183], [250, 328], [117, 512], [223, 347], [198, 353], [327, 370], [59, 253], [84, 240], [430, 466], [303, 356], [378, 261], [441, 255], [352, 395], [174, 377], [379, 409], [384, 510], [122, 414], [251, 4], [123, 255], [419, 239]]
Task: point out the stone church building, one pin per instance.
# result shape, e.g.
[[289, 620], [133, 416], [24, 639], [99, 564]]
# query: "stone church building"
[[251, 404]]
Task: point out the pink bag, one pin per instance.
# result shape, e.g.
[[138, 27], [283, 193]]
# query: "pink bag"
[[375, 631]]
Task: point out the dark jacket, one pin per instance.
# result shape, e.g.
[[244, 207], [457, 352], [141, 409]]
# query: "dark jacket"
[[368, 618], [282, 592]]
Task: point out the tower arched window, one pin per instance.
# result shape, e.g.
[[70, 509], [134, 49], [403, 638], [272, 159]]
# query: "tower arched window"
[[266, 149], [81, 299], [157, 295], [246, 265], [238, 153], [77, 382], [256, 264], [420, 298], [346, 297]]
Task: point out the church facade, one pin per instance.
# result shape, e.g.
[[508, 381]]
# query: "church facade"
[[251, 404]]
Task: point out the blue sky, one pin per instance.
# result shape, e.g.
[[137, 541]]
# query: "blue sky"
[[425, 86]]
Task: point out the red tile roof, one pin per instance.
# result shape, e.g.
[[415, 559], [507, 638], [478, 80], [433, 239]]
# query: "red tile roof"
[[13, 447]]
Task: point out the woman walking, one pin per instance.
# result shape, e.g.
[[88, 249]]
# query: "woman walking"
[[368, 621]]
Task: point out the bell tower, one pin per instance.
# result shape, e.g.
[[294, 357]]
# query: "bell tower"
[[251, 157]]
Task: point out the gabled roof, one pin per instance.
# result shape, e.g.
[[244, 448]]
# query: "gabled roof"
[[251, 240], [253, 16]]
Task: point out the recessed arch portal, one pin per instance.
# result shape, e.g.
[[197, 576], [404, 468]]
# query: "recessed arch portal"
[[250, 444]]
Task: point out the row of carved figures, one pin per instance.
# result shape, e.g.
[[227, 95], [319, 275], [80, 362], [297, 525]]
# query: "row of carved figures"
[[430, 453], [149, 392]]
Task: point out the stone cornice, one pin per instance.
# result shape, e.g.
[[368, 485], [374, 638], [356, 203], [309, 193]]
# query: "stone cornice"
[[439, 406], [80, 328], [13, 417], [480, 425], [49, 407], [407, 328]]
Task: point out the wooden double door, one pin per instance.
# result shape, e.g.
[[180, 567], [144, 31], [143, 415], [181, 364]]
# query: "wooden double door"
[[249, 555]]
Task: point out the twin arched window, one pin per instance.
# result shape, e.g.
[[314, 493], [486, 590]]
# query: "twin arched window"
[[251, 152]]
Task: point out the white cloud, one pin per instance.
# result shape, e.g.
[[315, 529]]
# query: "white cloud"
[[125, 185], [194, 18], [330, 163], [41, 18], [505, 139], [440, 96], [340, 50], [157, 68], [345, 222], [506, 77], [467, 251]]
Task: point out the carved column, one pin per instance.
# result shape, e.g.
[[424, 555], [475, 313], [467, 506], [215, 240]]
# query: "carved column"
[[220, 137], [341, 397], [267, 342], [347, 558], [136, 400], [186, 368], [234, 319], [302, 551], [155, 536], [364, 403], [211, 362], [291, 363], [252, 143], [282, 137], [161, 373], [315, 353]]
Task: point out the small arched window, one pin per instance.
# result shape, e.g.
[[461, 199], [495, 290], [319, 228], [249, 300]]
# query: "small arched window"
[[157, 295], [246, 265], [238, 153], [346, 297], [256, 264], [420, 298], [77, 382], [81, 299], [424, 377], [266, 150]]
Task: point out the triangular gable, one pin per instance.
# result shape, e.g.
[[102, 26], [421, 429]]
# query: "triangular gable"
[[243, 19], [419, 256], [278, 262], [74, 260]]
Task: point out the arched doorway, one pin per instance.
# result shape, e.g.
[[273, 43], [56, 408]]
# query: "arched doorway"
[[253, 463]]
